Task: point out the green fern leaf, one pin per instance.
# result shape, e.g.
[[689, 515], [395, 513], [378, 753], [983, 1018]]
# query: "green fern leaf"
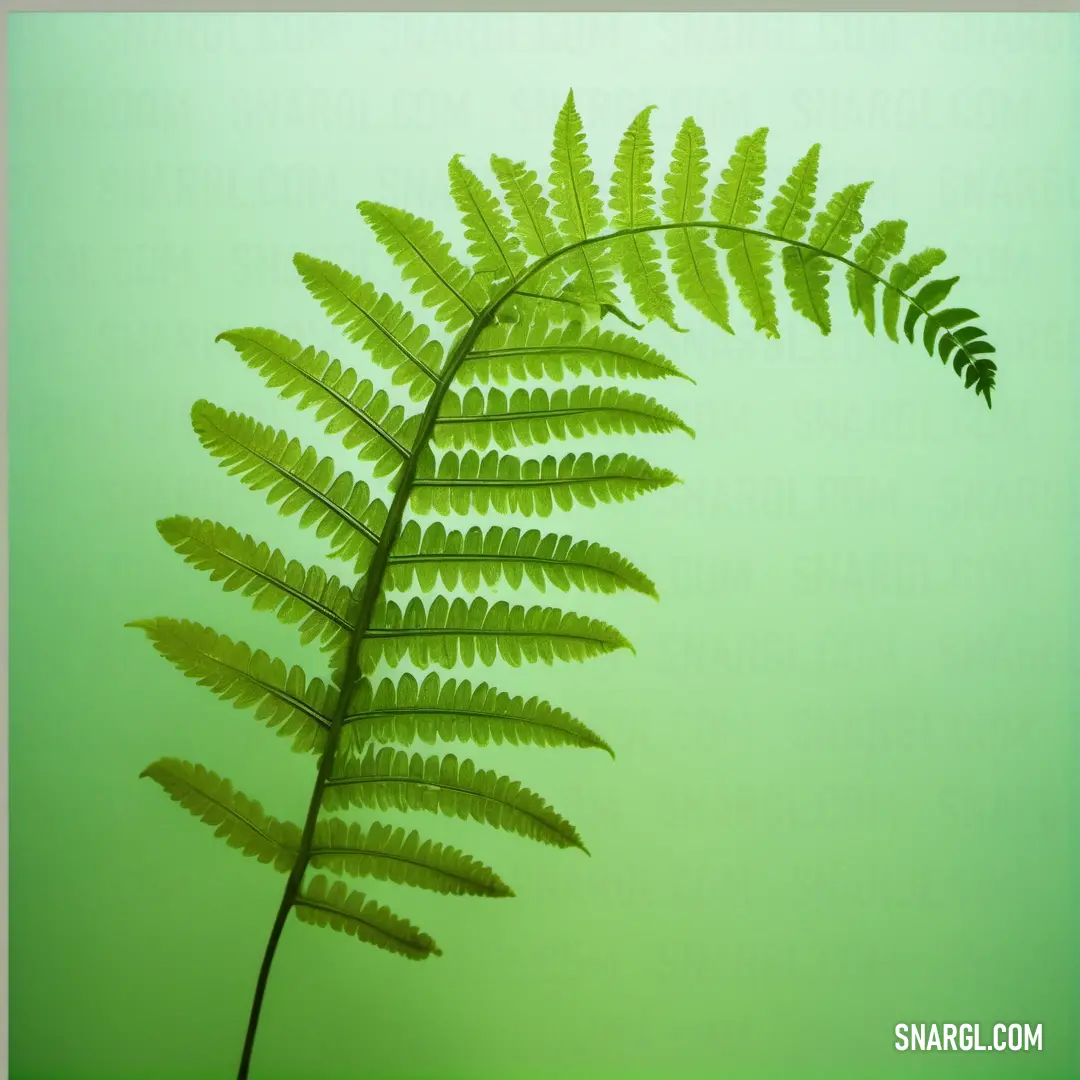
[[447, 632], [507, 484], [537, 416], [632, 203], [388, 854], [539, 237], [296, 477], [835, 226], [347, 405], [393, 338], [308, 596], [506, 555], [424, 258], [792, 207], [575, 203], [971, 343], [882, 243], [452, 711], [283, 698], [239, 821], [535, 350], [575, 198], [735, 203], [901, 277], [932, 294], [495, 249], [352, 913], [528, 206], [806, 276], [944, 320], [806, 273], [393, 780], [693, 261]]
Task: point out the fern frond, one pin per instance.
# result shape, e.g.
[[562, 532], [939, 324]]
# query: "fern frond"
[[693, 260], [537, 417], [735, 202], [241, 822], [632, 203], [352, 913], [295, 594], [266, 458], [346, 404], [507, 484], [424, 258], [495, 249], [447, 632], [283, 697], [536, 350], [393, 780], [392, 337], [882, 243], [452, 711], [506, 555], [389, 854], [527, 308], [576, 204]]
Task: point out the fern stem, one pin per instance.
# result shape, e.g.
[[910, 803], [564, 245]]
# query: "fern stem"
[[373, 580], [372, 583]]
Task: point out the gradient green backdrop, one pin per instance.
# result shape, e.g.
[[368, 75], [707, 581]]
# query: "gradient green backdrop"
[[845, 792]]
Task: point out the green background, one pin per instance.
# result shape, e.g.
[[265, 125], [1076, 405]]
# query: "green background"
[[845, 791]]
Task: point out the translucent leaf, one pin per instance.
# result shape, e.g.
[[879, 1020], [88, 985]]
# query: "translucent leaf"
[[352, 913], [389, 854], [296, 594], [507, 484], [456, 711], [393, 780], [792, 207], [424, 258], [526, 417], [632, 204], [693, 260], [283, 698], [446, 632], [295, 477], [494, 248], [476, 558], [239, 821]]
